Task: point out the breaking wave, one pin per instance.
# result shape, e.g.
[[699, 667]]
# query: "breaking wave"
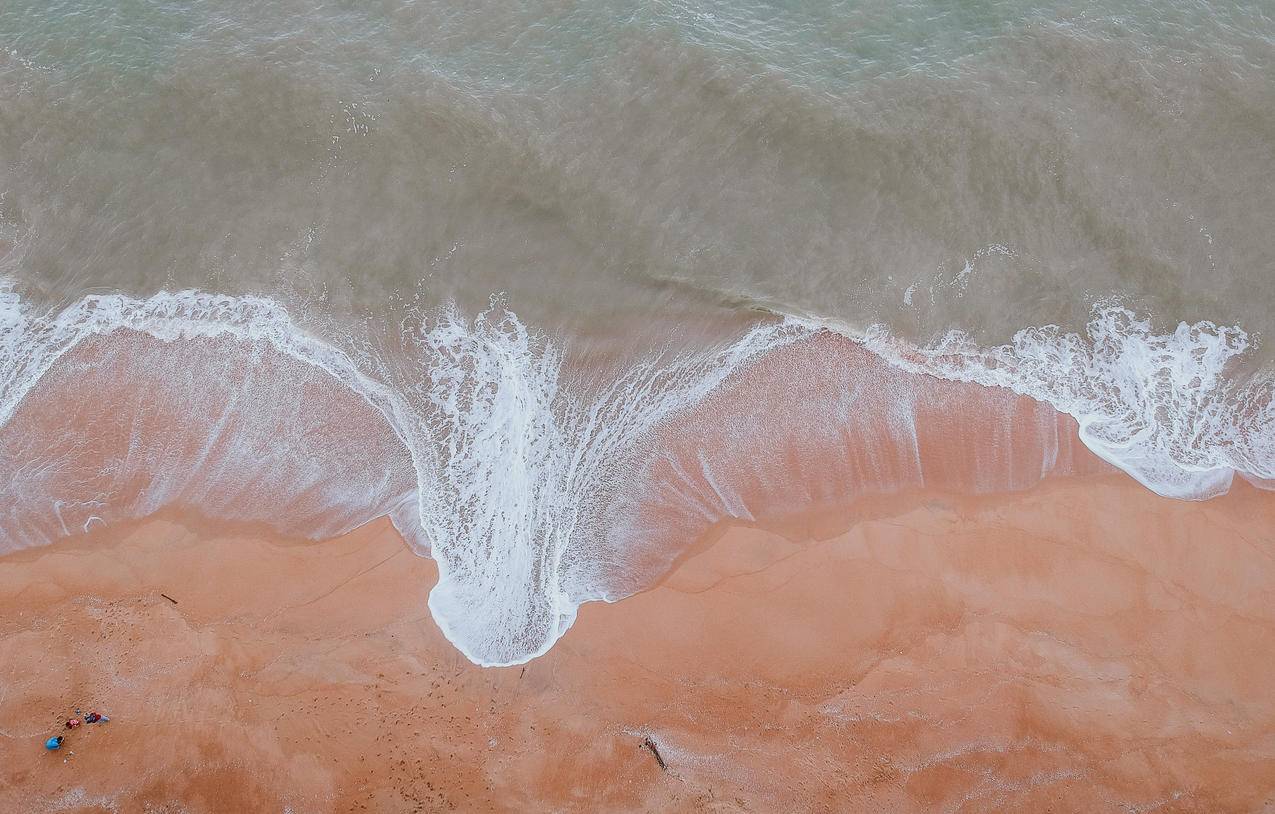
[[1162, 407], [537, 487]]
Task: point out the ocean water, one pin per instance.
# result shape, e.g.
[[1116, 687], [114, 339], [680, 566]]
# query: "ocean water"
[[557, 286]]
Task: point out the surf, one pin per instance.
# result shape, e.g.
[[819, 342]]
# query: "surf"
[[538, 486]]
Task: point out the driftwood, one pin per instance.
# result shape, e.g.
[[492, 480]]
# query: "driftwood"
[[655, 752], [169, 598]]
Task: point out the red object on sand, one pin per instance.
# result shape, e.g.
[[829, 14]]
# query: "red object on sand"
[[73, 723], [92, 718]]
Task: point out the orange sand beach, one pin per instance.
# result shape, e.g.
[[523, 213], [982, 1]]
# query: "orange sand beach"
[[1082, 646]]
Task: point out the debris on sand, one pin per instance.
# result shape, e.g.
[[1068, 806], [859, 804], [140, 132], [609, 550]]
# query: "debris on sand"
[[655, 752]]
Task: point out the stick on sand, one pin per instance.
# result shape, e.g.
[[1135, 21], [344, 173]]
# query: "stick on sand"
[[650, 744]]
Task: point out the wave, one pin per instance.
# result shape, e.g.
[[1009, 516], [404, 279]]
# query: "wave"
[[1162, 407], [537, 487]]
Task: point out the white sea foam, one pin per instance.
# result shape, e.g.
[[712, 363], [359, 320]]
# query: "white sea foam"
[[519, 466], [245, 442], [528, 463], [1159, 406], [514, 464]]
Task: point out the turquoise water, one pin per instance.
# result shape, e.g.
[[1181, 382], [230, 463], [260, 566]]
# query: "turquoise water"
[[829, 45]]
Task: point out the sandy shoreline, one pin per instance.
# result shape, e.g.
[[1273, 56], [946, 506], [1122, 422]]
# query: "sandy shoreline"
[[1085, 645]]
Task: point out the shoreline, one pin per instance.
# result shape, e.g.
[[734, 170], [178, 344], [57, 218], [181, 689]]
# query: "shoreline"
[[1084, 644]]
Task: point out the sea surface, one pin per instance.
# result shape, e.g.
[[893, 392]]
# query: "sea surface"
[[558, 285]]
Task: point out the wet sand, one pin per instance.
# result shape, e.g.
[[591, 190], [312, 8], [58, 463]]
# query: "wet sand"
[[1083, 646]]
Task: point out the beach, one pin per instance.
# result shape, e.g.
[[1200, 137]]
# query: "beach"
[[702, 405], [1084, 645]]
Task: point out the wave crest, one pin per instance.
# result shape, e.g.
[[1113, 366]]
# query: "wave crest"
[[1159, 406]]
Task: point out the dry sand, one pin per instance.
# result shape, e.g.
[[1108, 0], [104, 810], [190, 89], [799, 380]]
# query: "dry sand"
[[1085, 646]]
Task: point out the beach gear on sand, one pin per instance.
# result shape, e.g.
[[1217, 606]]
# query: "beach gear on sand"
[[73, 723], [53, 743], [92, 718]]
